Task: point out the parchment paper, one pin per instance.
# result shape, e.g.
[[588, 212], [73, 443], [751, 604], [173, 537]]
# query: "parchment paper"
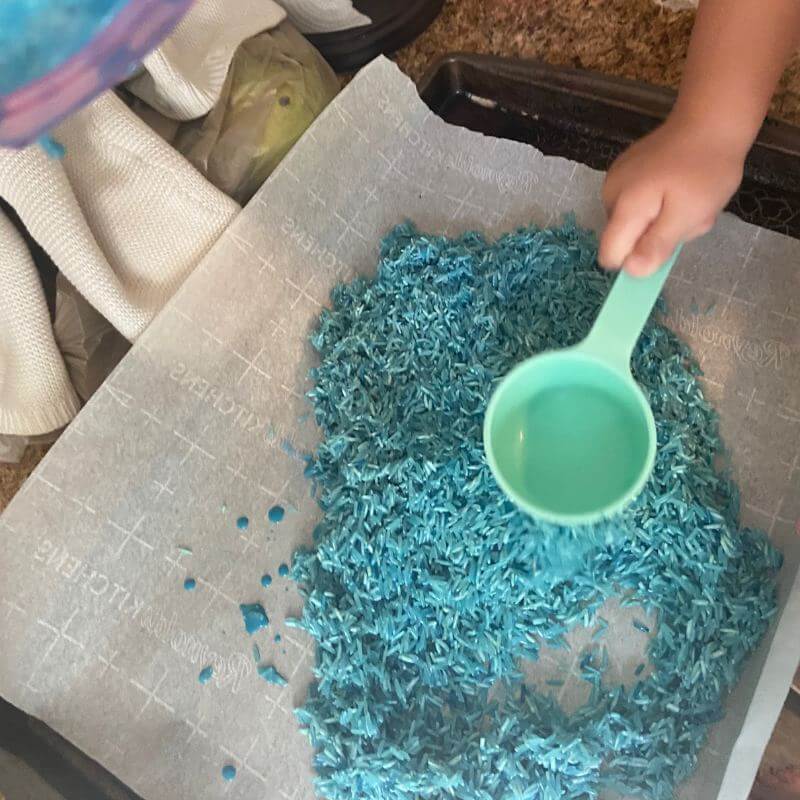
[[99, 638]]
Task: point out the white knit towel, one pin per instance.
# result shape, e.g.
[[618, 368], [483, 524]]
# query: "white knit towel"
[[183, 77], [123, 216]]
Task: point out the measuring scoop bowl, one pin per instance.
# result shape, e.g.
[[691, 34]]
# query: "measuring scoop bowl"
[[569, 438]]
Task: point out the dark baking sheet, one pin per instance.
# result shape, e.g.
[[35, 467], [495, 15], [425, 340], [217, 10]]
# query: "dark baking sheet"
[[579, 115], [591, 118]]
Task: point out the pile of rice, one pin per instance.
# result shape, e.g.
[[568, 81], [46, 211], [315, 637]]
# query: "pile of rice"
[[427, 588]]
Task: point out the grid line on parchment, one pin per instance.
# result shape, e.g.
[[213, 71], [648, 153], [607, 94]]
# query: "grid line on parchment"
[[151, 695], [107, 662], [794, 466], [175, 561], [217, 591], [730, 297], [164, 487], [60, 635], [128, 535], [251, 364], [195, 728], [788, 414], [12, 607], [243, 761], [751, 398], [150, 417], [773, 516], [749, 254]]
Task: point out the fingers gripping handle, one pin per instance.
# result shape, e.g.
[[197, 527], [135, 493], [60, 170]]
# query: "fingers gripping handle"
[[624, 314]]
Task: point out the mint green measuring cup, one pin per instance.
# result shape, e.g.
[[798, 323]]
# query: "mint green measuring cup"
[[568, 434]]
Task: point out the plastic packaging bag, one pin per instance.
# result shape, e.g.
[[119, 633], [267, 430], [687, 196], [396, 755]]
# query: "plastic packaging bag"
[[277, 85]]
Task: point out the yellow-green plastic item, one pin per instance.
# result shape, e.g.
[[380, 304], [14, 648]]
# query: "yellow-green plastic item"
[[568, 434]]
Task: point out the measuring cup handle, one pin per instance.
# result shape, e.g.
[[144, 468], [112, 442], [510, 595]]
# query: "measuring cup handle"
[[624, 314]]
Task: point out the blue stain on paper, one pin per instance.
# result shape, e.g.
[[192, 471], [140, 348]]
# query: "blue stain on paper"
[[242, 523], [255, 618], [189, 584], [283, 570], [271, 675], [205, 674], [276, 513], [266, 580], [228, 772]]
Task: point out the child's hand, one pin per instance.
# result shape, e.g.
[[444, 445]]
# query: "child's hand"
[[667, 188]]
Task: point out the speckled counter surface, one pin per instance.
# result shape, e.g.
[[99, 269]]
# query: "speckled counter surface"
[[629, 38]]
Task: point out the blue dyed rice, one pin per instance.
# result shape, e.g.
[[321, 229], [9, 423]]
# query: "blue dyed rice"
[[271, 675], [426, 587]]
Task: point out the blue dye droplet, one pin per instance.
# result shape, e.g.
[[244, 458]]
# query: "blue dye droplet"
[[283, 570], [271, 675], [255, 617], [53, 148], [205, 674], [277, 637], [242, 523], [276, 513], [266, 580], [189, 584], [229, 772]]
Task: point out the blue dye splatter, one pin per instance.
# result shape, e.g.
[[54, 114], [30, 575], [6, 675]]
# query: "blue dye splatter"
[[53, 148], [276, 513], [228, 772], [242, 523], [283, 570], [189, 584], [255, 618], [277, 637], [266, 580], [425, 583], [205, 674], [271, 675]]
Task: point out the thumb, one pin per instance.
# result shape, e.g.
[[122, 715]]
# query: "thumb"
[[631, 215]]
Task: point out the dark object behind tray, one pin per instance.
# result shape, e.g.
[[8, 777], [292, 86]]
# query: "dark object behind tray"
[[394, 25], [589, 117]]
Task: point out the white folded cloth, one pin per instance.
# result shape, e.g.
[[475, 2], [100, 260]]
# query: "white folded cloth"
[[123, 216]]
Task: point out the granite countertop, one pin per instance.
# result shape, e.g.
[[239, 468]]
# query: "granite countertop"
[[638, 39]]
